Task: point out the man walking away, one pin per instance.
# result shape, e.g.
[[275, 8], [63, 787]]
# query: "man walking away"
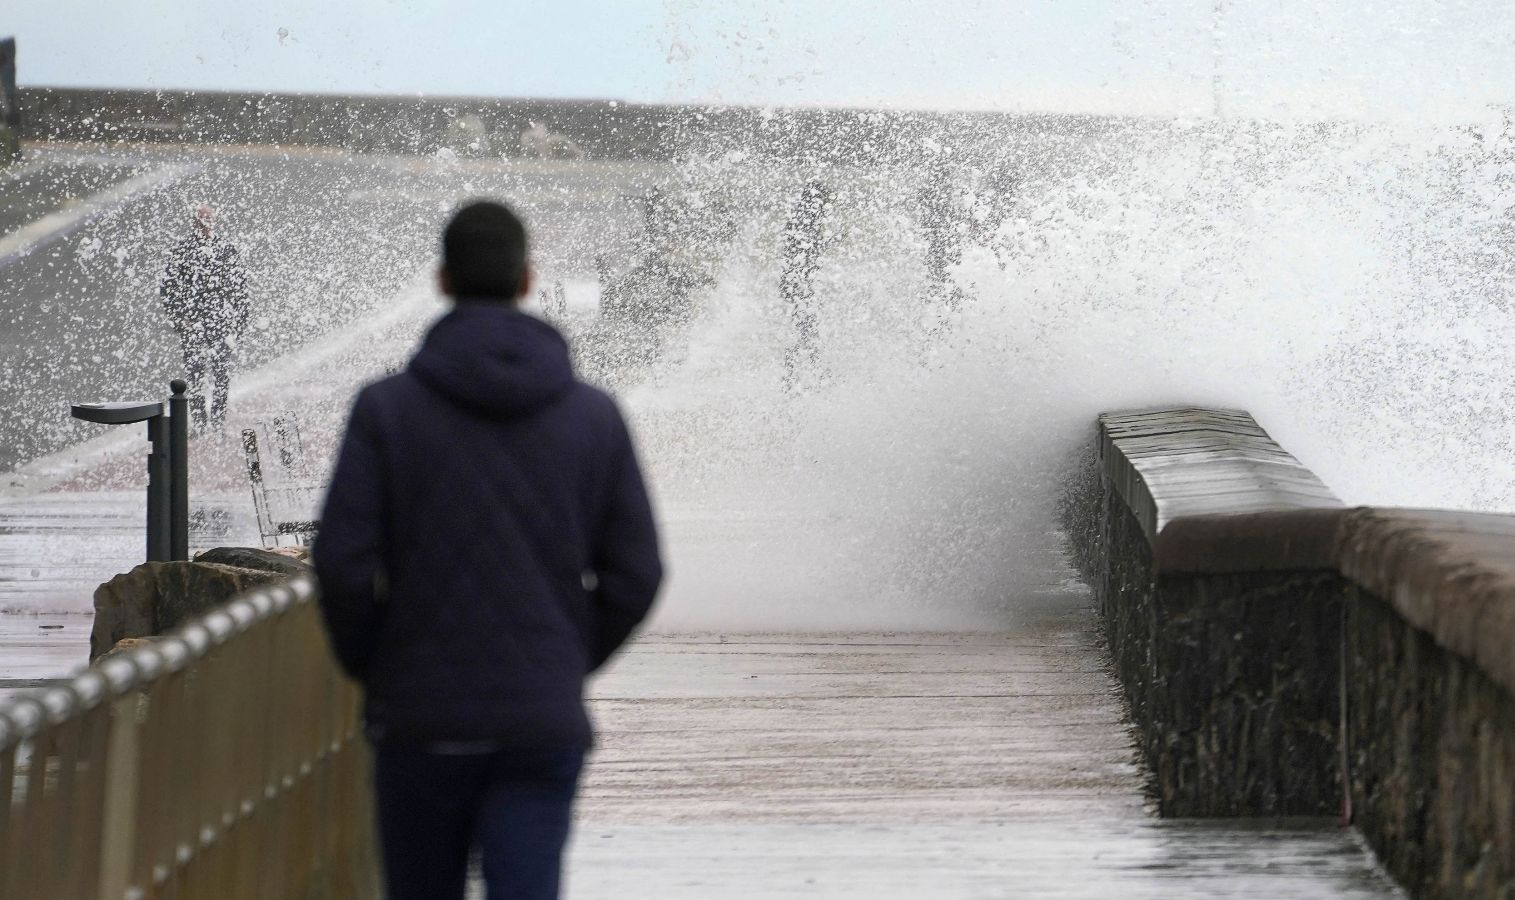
[[204, 292], [486, 543]]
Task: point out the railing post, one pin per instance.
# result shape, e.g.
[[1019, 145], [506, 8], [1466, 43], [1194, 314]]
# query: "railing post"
[[118, 831]]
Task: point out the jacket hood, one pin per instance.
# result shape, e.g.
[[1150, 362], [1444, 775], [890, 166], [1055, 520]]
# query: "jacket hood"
[[494, 358]]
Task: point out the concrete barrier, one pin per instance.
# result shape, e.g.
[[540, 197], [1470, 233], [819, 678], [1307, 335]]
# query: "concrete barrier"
[[1430, 695], [1229, 658], [597, 129], [1283, 655]]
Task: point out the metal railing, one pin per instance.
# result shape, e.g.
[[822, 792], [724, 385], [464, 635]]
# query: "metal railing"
[[223, 762]]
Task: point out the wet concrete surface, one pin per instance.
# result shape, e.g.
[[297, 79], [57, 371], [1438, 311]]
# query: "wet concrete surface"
[[874, 765], [41, 649], [56, 548], [905, 765], [1093, 860]]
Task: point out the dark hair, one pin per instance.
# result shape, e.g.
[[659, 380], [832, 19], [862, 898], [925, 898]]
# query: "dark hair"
[[484, 251]]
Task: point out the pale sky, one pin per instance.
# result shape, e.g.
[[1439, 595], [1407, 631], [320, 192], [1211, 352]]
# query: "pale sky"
[[1273, 56]]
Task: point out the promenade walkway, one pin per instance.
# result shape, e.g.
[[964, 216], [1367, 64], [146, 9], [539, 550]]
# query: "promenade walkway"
[[879, 766], [905, 765]]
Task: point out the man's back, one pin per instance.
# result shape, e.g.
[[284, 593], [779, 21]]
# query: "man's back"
[[497, 501], [486, 543]]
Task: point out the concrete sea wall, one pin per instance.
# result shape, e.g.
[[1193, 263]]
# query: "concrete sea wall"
[[1284, 655], [510, 127]]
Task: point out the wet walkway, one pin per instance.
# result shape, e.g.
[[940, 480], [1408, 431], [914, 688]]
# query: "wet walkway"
[[905, 765], [38, 650], [875, 766]]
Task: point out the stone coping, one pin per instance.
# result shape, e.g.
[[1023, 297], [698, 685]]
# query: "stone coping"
[[1215, 494], [1186, 461], [1450, 574]]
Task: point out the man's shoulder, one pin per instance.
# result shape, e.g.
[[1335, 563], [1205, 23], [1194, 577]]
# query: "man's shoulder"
[[587, 393], [403, 389], [592, 402]]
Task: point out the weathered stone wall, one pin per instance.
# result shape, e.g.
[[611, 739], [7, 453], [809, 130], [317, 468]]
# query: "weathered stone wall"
[[1432, 758], [1279, 653], [1231, 679]]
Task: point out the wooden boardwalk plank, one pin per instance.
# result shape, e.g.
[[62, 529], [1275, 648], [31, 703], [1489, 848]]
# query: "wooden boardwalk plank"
[[921, 765]]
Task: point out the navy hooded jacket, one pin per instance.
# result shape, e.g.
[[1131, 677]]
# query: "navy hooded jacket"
[[486, 540]]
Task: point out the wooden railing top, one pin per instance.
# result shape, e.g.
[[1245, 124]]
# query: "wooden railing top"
[[1189, 461], [23, 716], [224, 760]]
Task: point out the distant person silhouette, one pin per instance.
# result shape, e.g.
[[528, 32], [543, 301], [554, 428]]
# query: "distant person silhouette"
[[486, 543], [806, 237], [943, 227], [644, 307], [204, 292]]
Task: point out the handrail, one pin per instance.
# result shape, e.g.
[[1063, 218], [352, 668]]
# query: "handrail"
[[223, 761]]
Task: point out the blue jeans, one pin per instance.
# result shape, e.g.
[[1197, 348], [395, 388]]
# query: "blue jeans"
[[434, 808]]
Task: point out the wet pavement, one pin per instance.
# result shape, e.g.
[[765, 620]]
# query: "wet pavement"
[[876, 765], [40, 649], [905, 765]]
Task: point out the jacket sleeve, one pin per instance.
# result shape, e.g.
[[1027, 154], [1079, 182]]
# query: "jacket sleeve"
[[349, 551], [627, 565], [173, 285]]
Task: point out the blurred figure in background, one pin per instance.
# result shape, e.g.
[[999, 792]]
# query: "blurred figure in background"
[[648, 306], [204, 292], [943, 226], [806, 237]]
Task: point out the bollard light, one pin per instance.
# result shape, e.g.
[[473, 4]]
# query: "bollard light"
[[167, 465]]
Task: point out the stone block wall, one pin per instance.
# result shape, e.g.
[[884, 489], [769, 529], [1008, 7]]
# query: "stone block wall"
[[1231, 679], [1283, 655], [1432, 758]]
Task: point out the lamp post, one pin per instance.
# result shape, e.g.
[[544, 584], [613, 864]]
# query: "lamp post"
[[167, 465], [178, 469]]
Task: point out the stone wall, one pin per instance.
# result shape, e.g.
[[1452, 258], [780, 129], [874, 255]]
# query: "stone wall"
[[1283, 655], [1231, 678], [1430, 687], [1432, 758]]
